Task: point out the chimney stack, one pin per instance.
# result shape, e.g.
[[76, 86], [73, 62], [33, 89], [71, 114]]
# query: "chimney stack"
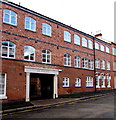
[[98, 34]]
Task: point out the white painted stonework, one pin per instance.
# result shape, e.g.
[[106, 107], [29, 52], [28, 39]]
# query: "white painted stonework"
[[40, 70]]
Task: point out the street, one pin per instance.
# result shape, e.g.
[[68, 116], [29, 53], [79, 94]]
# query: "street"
[[101, 107]]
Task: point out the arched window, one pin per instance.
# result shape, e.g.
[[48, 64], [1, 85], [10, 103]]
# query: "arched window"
[[8, 49], [67, 36], [67, 60], [10, 17], [103, 64], [46, 29], [29, 53], [46, 56], [65, 82], [84, 42], [77, 61], [97, 63], [91, 64], [76, 40], [90, 44], [30, 24], [85, 63]]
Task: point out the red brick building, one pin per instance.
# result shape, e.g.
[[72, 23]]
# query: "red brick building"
[[43, 58]]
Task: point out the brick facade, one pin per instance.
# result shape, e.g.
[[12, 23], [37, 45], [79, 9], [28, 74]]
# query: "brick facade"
[[15, 68]]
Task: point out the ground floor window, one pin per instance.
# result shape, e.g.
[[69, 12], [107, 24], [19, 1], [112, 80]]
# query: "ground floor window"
[[89, 81], [2, 85], [97, 81], [108, 81], [78, 82], [65, 82], [103, 81]]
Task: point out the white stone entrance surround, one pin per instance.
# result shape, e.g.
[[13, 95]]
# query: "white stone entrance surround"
[[41, 70]]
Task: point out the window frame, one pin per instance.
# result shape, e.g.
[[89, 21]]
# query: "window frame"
[[97, 81], [108, 81], [102, 48], [46, 54], [103, 66], [97, 63], [89, 81], [90, 64], [67, 60], [46, 29], [67, 36], [85, 63], [77, 39], [3, 96], [107, 50], [30, 22], [103, 81], [90, 44], [77, 82], [77, 61], [84, 42], [10, 17], [65, 82], [8, 49], [97, 46], [29, 47], [108, 65]]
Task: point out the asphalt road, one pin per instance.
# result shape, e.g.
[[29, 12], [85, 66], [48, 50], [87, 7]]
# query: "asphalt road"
[[102, 107]]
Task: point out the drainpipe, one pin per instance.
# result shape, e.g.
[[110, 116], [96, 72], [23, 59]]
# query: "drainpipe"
[[94, 63]]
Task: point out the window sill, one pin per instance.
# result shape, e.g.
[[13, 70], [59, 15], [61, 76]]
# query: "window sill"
[[46, 35], [97, 86], [30, 30], [77, 86], [66, 87], [10, 24], [108, 86], [103, 87], [3, 97]]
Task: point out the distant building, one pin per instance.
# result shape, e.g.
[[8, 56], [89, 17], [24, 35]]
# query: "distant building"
[[43, 58]]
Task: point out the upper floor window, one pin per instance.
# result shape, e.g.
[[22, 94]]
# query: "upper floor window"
[[107, 49], [90, 44], [108, 65], [46, 56], [67, 60], [8, 49], [84, 42], [46, 29], [101, 47], [30, 24], [97, 63], [2, 85], [96, 46], [10, 17], [29, 53], [114, 51], [67, 36], [76, 40], [85, 63], [89, 81], [114, 66], [103, 64], [91, 64], [78, 82], [65, 82], [77, 61]]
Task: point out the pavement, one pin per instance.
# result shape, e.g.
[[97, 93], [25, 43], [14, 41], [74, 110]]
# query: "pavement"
[[41, 104]]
